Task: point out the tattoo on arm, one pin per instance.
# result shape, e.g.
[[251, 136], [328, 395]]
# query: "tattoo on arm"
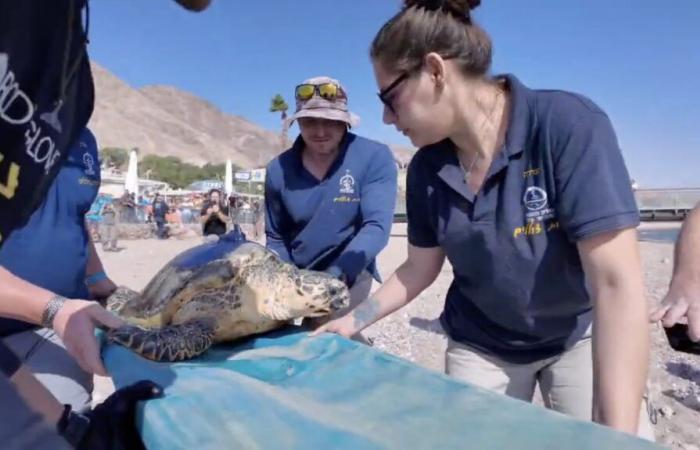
[[366, 313]]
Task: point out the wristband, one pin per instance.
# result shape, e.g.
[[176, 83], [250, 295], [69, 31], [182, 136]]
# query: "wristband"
[[95, 278]]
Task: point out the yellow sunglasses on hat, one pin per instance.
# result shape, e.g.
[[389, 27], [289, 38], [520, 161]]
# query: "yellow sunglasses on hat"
[[328, 91]]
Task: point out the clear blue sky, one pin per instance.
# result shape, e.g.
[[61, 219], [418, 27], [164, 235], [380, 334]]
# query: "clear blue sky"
[[638, 59]]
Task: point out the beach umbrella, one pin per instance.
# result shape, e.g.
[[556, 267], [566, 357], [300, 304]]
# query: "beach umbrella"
[[228, 180], [131, 182]]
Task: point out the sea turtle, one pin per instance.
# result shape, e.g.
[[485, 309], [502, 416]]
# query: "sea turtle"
[[216, 292]]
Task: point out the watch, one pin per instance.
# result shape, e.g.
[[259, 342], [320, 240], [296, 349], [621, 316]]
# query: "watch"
[[52, 308]]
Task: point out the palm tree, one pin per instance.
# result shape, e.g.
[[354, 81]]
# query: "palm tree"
[[279, 105]]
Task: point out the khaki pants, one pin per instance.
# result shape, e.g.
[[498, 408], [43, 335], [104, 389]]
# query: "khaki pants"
[[566, 380], [358, 293], [108, 236]]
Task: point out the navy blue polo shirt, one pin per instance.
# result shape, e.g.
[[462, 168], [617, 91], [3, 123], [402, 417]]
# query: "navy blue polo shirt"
[[51, 249], [338, 224], [46, 98], [518, 290]]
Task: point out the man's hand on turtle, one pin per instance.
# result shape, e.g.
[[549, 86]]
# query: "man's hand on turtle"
[[681, 305], [102, 289], [75, 324]]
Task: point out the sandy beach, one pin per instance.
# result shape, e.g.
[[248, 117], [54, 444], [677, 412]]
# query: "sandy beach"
[[414, 333]]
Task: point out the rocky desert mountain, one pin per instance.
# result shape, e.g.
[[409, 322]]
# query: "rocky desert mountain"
[[166, 121]]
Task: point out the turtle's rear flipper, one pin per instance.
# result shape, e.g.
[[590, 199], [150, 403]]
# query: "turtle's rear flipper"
[[168, 344]]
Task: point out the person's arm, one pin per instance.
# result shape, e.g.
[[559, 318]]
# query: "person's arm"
[[596, 209], [21, 427], [98, 283], [220, 214], [275, 219], [682, 302], [420, 269], [613, 271], [36, 395], [111, 424], [74, 322], [30, 413], [205, 214], [377, 204]]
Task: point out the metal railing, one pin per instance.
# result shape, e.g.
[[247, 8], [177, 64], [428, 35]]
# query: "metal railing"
[[652, 203], [667, 199]]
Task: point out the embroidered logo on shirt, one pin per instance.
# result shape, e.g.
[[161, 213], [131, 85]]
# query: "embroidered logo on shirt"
[[89, 162], [535, 198], [346, 199], [347, 183], [536, 203], [535, 228], [88, 181], [532, 172]]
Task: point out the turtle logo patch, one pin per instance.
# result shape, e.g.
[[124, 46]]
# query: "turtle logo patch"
[[89, 162], [537, 205], [347, 183]]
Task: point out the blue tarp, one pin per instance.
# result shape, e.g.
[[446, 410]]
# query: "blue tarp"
[[285, 390]]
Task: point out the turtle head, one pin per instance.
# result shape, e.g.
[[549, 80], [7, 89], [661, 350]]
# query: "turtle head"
[[319, 294]]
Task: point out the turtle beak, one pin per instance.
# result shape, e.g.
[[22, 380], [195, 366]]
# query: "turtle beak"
[[320, 313], [340, 301]]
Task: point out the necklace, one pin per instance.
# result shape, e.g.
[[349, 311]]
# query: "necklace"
[[468, 171]]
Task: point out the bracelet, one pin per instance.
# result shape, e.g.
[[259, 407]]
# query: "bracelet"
[[52, 308], [95, 278]]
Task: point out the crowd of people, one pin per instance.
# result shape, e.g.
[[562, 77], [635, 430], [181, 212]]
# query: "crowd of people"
[[172, 215], [524, 191]]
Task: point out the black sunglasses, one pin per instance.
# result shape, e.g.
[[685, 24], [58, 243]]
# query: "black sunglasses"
[[384, 93]]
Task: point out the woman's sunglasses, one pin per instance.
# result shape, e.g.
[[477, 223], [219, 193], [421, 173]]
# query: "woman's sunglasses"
[[384, 94], [327, 91]]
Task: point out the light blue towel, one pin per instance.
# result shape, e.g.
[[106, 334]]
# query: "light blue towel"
[[288, 391]]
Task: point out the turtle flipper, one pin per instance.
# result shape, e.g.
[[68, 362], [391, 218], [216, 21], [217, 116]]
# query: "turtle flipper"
[[171, 343]]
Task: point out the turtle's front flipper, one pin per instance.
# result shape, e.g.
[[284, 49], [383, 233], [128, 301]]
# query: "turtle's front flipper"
[[171, 343]]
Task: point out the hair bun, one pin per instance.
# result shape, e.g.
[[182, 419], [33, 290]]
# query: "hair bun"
[[458, 8], [473, 3]]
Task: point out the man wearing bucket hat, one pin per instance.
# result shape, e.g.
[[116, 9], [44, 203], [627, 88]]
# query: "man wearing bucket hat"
[[330, 198]]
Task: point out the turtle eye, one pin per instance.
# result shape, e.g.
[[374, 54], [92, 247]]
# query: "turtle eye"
[[333, 291]]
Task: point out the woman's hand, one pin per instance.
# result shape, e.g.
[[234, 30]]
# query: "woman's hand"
[[344, 326]]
